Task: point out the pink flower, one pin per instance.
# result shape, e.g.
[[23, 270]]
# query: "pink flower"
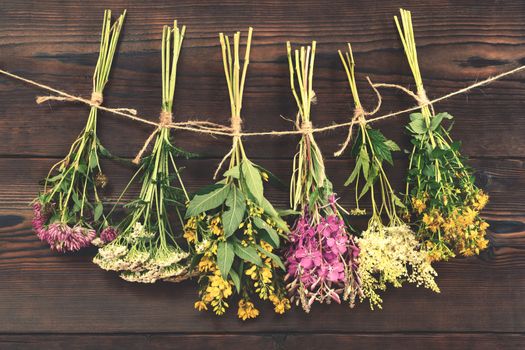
[[308, 258], [108, 234], [63, 238], [338, 244], [322, 257], [39, 220]]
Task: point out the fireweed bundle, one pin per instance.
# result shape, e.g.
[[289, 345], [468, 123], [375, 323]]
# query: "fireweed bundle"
[[231, 225], [69, 209], [389, 251], [444, 201], [322, 256], [146, 249]]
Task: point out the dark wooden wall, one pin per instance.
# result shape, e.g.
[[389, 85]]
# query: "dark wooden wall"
[[65, 302]]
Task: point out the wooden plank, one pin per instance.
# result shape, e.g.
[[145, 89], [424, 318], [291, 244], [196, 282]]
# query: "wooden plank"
[[75, 296], [454, 50], [264, 341]]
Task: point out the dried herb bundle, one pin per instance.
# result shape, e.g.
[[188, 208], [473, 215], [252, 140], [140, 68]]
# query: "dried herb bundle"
[[231, 225], [321, 258], [443, 199], [68, 211], [389, 252], [146, 249]]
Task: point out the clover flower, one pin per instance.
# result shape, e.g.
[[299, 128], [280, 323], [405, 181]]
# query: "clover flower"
[[69, 208]]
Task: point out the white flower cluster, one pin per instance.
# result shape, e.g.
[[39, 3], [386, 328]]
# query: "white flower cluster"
[[139, 233], [392, 255], [141, 261]]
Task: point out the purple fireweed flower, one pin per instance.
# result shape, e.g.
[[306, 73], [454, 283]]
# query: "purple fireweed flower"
[[337, 244], [322, 257], [308, 258]]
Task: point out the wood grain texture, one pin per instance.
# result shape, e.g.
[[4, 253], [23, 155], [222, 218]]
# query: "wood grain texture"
[[49, 301], [264, 341]]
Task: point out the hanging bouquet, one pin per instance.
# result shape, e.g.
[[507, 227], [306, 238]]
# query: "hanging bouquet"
[[442, 197], [146, 249], [322, 256], [231, 225], [69, 209], [389, 252]]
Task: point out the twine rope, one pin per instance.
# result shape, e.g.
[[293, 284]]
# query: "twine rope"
[[206, 127], [360, 118], [236, 128]]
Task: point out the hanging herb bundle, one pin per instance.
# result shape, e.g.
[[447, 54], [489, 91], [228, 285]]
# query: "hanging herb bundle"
[[146, 249], [321, 257], [389, 252], [68, 211], [443, 199], [231, 225]]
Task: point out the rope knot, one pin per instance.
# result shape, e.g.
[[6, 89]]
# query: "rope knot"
[[165, 118], [236, 125], [97, 98], [422, 98], [306, 127], [359, 115]]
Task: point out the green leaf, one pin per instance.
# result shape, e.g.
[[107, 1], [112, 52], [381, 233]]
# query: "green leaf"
[[93, 160], [272, 178], [232, 218], [354, 173], [248, 253], [274, 237], [429, 170], [232, 172], [103, 151], [253, 180], [225, 257], [205, 202], [181, 153], [270, 210], [272, 256], [97, 212], [417, 126], [435, 121], [288, 212], [365, 161], [397, 201], [416, 116], [365, 189], [392, 145], [82, 168], [236, 280]]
